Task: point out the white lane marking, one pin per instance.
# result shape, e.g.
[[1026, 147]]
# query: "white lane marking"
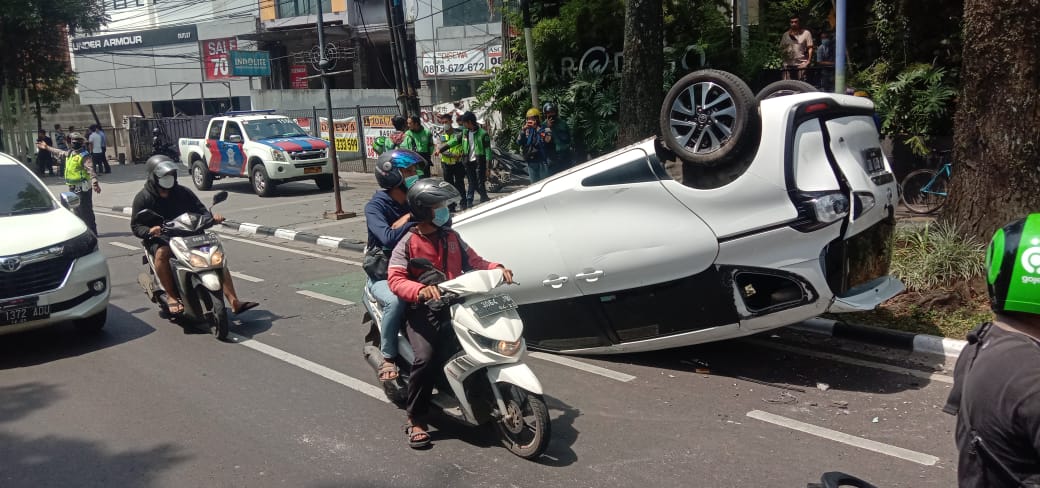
[[273, 205], [319, 296], [248, 228], [875, 446], [126, 246], [228, 236], [311, 366], [329, 241], [588, 368], [856, 362], [246, 277], [128, 210], [285, 234], [106, 214]]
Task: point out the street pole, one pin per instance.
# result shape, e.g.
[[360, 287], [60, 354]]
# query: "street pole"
[[323, 65], [532, 69], [743, 26], [839, 51]]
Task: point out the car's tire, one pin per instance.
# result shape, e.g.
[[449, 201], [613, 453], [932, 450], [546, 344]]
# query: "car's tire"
[[783, 88], [325, 182], [262, 184], [92, 324], [201, 176], [213, 307], [710, 118]]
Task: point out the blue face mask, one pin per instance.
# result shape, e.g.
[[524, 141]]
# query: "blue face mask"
[[441, 216], [409, 181]]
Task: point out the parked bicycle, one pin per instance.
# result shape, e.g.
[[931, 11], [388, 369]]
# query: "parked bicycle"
[[924, 191]]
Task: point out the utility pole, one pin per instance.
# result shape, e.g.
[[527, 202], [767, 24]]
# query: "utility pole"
[[532, 69], [839, 45], [408, 101], [323, 66], [743, 19]]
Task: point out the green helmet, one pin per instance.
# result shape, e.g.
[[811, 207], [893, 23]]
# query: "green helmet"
[[1013, 267], [383, 144]]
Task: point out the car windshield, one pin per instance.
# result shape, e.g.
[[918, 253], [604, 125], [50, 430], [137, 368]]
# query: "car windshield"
[[22, 194], [272, 128]]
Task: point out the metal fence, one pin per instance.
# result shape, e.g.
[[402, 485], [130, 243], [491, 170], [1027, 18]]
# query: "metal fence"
[[171, 129]]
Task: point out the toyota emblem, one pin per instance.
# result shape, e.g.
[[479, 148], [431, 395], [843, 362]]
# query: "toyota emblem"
[[10, 264]]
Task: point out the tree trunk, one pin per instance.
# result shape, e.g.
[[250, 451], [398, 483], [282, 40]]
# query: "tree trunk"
[[997, 127], [642, 75]]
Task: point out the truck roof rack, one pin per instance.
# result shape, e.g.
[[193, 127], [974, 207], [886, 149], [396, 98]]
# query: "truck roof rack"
[[232, 113]]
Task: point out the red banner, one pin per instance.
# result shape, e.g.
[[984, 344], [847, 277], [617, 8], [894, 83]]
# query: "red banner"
[[297, 75], [215, 57]]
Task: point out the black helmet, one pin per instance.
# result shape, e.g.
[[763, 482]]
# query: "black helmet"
[[162, 172], [548, 107], [155, 130], [429, 193], [154, 161], [388, 168]]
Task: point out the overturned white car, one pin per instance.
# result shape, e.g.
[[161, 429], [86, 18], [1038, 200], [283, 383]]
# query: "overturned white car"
[[744, 216]]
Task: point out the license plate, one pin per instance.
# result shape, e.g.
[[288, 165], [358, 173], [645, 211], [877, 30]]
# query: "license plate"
[[493, 305], [873, 161], [312, 170], [200, 240], [22, 310]]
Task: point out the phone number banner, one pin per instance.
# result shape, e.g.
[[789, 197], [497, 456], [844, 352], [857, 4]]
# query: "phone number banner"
[[470, 63]]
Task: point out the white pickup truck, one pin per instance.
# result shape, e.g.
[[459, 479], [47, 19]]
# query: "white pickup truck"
[[267, 149]]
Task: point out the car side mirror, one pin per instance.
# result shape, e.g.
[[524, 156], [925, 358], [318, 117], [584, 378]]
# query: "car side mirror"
[[235, 139], [69, 200], [220, 197], [149, 217]]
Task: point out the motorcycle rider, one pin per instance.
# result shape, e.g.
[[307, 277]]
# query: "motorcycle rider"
[[433, 239], [79, 170], [996, 391], [164, 196], [388, 220]]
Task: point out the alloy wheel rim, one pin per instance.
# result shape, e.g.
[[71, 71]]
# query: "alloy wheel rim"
[[702, 117]]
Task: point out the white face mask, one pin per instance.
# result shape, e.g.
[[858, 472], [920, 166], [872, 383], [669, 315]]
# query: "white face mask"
[[167, 182]]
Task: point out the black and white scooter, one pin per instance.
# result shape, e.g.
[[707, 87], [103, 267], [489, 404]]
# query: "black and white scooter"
[[485, 379], [506, 169], [198, 268]]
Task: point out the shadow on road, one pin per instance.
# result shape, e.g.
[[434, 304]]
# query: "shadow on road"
[[291, 189], [64, 341], [53, 460]]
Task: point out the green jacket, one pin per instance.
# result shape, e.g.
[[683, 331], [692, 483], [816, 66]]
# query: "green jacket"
[[420, 142], [481, 143]]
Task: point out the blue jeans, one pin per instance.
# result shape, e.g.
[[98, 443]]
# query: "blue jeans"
[[538, 171], [393, 317]]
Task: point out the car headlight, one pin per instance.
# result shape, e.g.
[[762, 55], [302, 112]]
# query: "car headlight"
[[80, 245], [278, 155], [197, 261], [216, 258]]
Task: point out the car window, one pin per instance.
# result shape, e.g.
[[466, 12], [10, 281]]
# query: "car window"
[[272, 128], [214, 129], [21, 194], [232, 129], [636, 171]]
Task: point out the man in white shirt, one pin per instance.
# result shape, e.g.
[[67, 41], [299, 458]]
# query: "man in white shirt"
[[97, 150]]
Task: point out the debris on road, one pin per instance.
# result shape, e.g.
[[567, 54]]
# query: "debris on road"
[[842, 404], [784, 397], [875, 420], [823, 386]]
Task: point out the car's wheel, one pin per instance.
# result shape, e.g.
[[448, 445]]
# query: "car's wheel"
[[262, 183], [710, 118], [783, 88], [525, 426], [92, 324], [215, 311], [200, 175], [325, 182]]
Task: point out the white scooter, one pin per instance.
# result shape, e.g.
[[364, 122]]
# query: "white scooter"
[[485, 379], [198, 268]]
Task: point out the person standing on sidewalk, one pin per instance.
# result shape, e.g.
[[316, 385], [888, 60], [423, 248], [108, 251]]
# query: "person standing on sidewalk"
[[418, 139], [561, 158], [534, 141], [61, 142], [476, 152], [80, 176], [97, 152], [796, 46], [451, 156], [104, 149], [996, 389], [44, 161]]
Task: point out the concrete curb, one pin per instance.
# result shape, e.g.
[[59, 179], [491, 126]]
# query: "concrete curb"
[[923, 343], [288, 234]]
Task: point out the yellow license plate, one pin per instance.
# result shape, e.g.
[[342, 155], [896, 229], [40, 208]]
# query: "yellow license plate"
[[308, 171]]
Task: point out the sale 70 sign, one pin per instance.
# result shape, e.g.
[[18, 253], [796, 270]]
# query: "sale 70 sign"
[[215, 56]]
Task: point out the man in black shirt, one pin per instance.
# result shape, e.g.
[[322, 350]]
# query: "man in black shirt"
[[996, 391], [44, 161]]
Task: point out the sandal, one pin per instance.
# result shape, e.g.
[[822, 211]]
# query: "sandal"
[[417, 436], [387, 371], [175, 308]]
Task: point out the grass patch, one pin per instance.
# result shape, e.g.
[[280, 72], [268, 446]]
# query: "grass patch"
[[954, 323]]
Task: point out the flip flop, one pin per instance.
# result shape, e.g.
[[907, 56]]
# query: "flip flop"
[[246, 306], [417, 440], [389, 370], [178, 303]]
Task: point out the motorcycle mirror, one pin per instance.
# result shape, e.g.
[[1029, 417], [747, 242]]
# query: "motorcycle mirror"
[[220, 197], [149, 217]]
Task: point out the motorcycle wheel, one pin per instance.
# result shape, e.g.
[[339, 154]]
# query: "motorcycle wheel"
[[525, 428], [216, 313]]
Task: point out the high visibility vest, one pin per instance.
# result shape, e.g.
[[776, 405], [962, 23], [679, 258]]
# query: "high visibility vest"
[[454, 152], [75, 171]]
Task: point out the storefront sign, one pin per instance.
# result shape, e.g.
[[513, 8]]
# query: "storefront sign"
[[494, 54], [346, 133], [134, 40], [216, 55], [250, 63], [298, 76]]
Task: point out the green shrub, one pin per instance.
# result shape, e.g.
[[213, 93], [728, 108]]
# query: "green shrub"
[[936, 255]]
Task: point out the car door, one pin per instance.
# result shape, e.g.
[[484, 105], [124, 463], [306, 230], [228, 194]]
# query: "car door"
[[639, 252], [212, 153], [230, 147]]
